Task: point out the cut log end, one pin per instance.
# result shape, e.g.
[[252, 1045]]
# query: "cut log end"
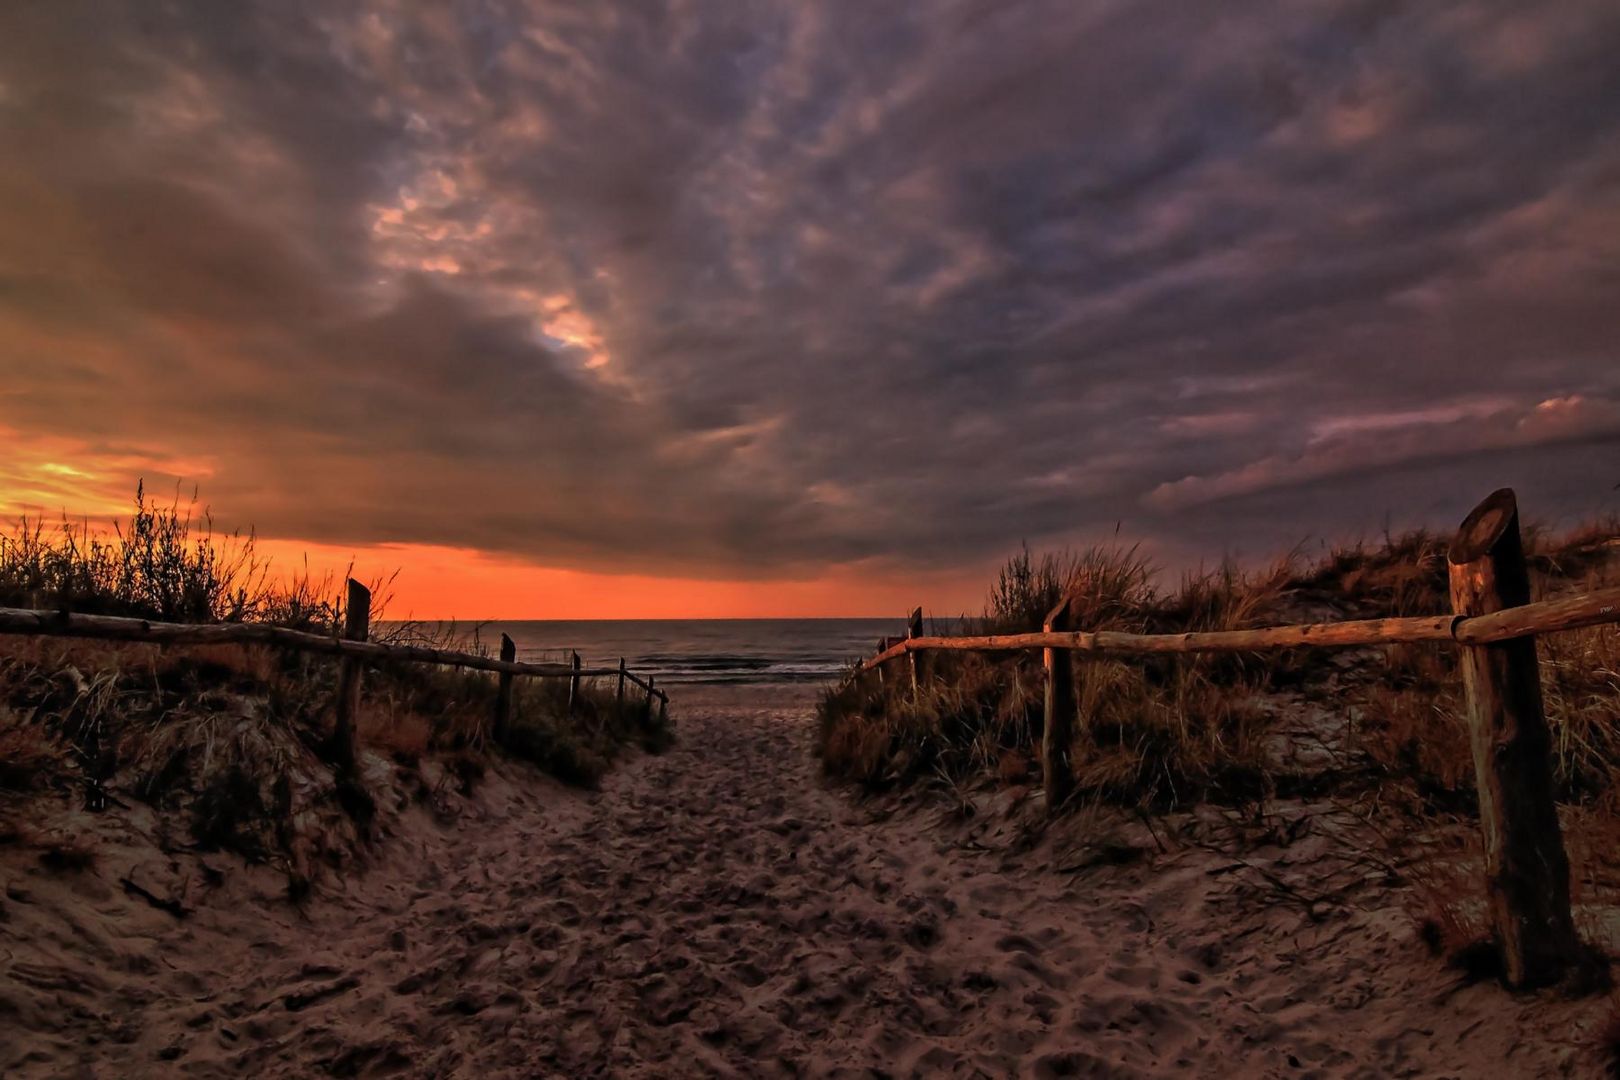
[[1485, 527]]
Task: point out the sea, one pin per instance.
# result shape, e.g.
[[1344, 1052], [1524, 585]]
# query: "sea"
[[717, 651]]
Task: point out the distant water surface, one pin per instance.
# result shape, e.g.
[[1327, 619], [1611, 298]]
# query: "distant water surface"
[[700, 650]]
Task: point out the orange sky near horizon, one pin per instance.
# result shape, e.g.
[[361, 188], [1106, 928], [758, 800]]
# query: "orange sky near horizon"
[[653, 310], [48, 482], [439, 583]]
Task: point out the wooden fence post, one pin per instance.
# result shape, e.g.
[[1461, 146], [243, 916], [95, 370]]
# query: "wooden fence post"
[[913, 630], [573, 684], [356, 627], [618, 708], [1526, 869], [1057, 734], [646, 709], [883, 644], [663, 710], [503, 698]]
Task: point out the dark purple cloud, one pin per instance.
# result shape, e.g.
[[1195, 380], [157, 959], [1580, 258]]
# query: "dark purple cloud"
[[754, 288]]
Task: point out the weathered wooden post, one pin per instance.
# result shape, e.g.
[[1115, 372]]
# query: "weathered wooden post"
[[1057, 734], [913, 630], [573, 684], [1526, 869], [618, 708], [883, 645], [503, 697], [646, 708], [356, 627], [663, 708]]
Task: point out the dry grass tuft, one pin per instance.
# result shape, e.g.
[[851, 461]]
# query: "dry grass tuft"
[[406, 737], [1447, 900], [30, 759], [1113, 586]]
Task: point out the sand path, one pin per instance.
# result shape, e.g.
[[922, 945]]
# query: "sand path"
[[719, 911]]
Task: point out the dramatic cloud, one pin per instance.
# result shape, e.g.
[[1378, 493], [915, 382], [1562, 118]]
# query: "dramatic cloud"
[[764, 289], [1349, 445]]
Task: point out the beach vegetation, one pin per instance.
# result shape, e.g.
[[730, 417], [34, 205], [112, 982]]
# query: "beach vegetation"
[[232, 743], [1375, 736]]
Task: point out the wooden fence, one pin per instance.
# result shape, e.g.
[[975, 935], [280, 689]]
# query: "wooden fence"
[[1492, 619], [353, 648]]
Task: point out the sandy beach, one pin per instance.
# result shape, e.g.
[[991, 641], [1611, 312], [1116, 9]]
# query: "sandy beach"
[[721, 911], [932, 538]]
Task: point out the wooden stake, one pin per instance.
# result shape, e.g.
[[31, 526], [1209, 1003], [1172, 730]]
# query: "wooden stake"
[[356, 627], [663, 710], [503, 697], [573, 684], [913, 630], [1526, 869], [646, 710], [883, 646], [619, 706], [1057, 735]]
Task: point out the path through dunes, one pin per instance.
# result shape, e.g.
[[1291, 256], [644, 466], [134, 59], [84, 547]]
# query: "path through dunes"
[[719, 911]]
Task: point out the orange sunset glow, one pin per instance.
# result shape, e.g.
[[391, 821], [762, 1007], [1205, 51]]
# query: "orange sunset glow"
[[447, 583], [467, 297], [50, 480], [809, 539]]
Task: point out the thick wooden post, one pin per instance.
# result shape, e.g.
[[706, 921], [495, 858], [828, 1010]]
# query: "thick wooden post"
[[1057, 735], [646, 708], [618, 708], [1526, 869], [913, 630], [573, 684], [356, 627], [503, 698], [663, 709]]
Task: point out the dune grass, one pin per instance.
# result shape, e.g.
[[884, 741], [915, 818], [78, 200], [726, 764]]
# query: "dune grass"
[[1162, 732], [232, 743], [1377, 734], [1155, 733]]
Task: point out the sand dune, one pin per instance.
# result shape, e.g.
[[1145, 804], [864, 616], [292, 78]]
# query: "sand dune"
[[719, 911]]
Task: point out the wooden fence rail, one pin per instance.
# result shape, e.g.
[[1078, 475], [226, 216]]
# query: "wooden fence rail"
[[1542, 617], [118, 628], [1526, 869], [353, 648]]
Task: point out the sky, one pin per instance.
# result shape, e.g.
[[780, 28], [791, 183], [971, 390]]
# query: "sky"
[[777, 307]]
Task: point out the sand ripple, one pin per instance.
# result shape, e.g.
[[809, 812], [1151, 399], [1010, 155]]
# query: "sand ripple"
[[718, 911]]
